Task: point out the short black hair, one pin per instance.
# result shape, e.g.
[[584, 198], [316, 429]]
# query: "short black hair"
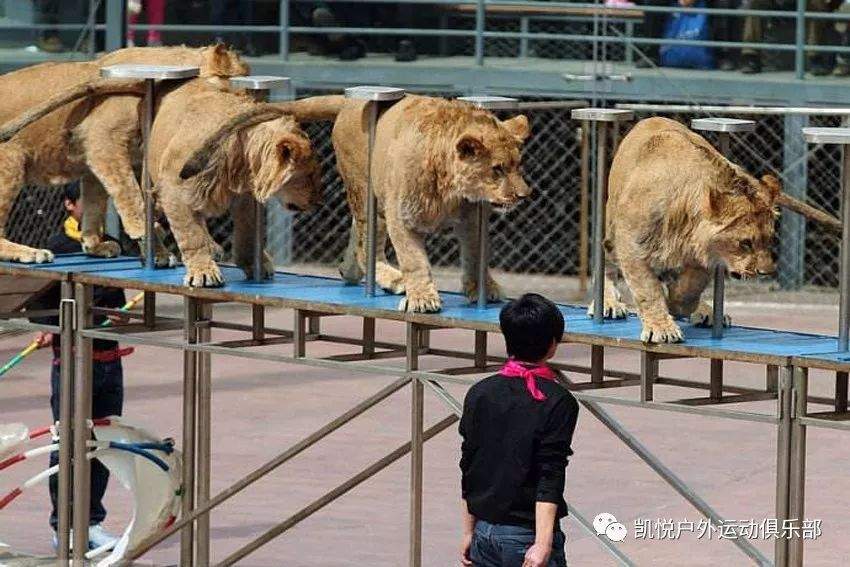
[[71, 192], [530, 324]]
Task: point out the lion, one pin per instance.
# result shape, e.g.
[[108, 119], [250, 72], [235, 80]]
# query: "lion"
[[676, 209], [433, 161], [211, 149], [52, 137]]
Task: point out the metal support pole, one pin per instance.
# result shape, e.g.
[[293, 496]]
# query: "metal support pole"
[[283, 23], [844, 305], [480, 15], [597, 364], [204, 434], [584, 207], [299, 339], [147, 190], [800, 40], [371, 204], [483, 251], [715, 385], [314, 325], [841, 392], [258, 322], [190, 359], [797, 491], [719, 282], [648, 374], [771, 378], [66, 390], [116, 24], [416, 440], [783, 460], [599, 222], [82, 413], [481, 349], [368, 337], [259, 241], [149, 309], [792, 226]]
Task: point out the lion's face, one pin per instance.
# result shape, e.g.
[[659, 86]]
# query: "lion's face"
[[487, 163], [283, 165], [219, 61], [744, 241]]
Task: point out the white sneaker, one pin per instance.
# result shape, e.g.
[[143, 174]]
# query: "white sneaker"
[[101, 539]]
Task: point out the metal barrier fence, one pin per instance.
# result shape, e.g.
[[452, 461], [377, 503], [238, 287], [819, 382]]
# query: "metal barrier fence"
[[486, 28]]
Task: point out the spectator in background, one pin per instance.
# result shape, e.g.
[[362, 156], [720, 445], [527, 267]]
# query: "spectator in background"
[[234, 13], [155, 16], [350, 14], [842, 60], [652, 28], [819, 63], [726, 28], [47, 12]]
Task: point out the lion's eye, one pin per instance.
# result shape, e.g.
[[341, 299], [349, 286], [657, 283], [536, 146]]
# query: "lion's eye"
[[498, 171], [746, 245]]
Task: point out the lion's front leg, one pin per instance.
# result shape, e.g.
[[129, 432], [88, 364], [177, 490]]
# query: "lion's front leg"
[[244, 242], [613, 306], [466, 230], [193, 239], [684, 297], [658, 324], [94, 219], [12, 176], [421, 294]]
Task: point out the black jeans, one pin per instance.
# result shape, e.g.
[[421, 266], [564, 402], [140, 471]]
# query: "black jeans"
[[107, 400]]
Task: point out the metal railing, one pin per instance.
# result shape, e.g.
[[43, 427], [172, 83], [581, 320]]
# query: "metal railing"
[[489, 30]]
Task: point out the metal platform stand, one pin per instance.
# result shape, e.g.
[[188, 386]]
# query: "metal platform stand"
[[724, 127], [606, 121], [490, 103]]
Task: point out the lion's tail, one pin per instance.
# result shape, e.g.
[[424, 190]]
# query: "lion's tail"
[[96, 87], [808, 211], [314, 108]]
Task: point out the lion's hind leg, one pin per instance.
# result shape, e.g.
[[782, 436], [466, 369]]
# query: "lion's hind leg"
[[12, 176], [94, 219], [244, 241], [467, 233]]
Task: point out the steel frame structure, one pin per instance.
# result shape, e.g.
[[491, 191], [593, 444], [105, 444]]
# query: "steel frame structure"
[[786, 382]]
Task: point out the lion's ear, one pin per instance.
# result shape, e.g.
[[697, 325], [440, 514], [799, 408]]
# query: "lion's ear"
[[518, 127], [290, 150], [771, 187], [470, 146]]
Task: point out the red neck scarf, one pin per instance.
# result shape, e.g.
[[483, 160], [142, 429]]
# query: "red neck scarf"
[[515, 369]]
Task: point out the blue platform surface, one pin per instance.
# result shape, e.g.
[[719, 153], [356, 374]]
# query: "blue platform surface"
[[337, 296]]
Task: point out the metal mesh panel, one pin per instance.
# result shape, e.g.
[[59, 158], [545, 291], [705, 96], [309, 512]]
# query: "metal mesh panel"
[[36, 215]]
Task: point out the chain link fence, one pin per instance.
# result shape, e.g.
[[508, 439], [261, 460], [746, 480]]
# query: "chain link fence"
[[541, 237]]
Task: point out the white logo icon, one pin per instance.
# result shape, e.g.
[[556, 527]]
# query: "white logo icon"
[[606, 524]]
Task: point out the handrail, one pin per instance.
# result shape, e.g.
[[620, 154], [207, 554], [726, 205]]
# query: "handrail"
[[748, 110]]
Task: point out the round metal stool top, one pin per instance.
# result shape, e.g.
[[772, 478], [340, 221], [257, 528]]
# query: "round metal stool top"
[[723, 125], [160, 72], [374, 93], [827, 135], [491, 102], [602, 114], [260, 82]]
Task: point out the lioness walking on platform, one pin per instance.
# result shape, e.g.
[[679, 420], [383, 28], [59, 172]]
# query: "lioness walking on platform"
[[434, 160]]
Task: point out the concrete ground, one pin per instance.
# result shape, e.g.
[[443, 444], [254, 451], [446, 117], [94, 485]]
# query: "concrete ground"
[[261, 408]]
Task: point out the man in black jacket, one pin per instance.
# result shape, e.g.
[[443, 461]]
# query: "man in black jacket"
[[517, 428], [107, 371]]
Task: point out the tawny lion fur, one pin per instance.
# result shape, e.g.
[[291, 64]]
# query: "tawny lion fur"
[[433, 160], [676, 209], [95, 139], [212, 149]]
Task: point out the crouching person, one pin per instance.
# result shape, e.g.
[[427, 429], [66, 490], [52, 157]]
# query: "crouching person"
[[517, 428], [107, 371]]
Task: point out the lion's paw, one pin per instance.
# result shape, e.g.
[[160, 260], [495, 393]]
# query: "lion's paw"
[[162, 258], [703, 316], [612, 309], [267, 268], [421, 301], [27, 255], [103, 249], [494, 291], [216, 250], [664, 331], [203, 273], [389, 278]]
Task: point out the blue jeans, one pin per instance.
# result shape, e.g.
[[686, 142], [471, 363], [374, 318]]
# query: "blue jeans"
[[107, 400], [501, 545]]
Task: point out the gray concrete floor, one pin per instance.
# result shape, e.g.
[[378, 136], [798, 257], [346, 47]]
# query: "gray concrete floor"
[[261, 408]]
